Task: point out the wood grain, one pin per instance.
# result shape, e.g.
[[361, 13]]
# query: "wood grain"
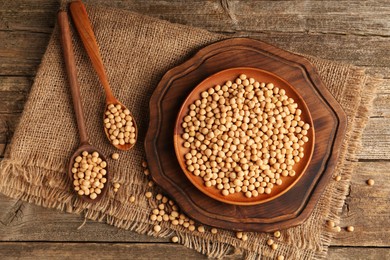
[[34, 250], [87, 36], [367, 207], [345, 17], [349, 31], [59, 250], [71, 72], [20, 221]]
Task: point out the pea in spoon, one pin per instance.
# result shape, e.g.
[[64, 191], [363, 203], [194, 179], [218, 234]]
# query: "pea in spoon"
[[113, 132], [70, 66]]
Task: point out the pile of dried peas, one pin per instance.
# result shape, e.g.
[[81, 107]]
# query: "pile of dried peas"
[[89, 174], [119, 124], [244, 137]]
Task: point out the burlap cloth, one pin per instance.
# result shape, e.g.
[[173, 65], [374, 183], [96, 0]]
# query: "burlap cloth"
[[137, 51]]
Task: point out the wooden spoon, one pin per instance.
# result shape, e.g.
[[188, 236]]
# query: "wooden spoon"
[[84, 28], [70, 65]]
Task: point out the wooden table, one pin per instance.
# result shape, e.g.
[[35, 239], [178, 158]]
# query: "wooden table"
[[356, 32]]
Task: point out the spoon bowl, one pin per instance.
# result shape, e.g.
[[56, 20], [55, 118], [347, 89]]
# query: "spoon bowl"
[[126, 146], [90, 149]]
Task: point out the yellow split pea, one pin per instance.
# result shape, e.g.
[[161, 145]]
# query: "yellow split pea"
[[244, 136]]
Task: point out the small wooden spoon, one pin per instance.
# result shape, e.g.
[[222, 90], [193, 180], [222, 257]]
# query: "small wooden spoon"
[[70, 65], [84, 28]]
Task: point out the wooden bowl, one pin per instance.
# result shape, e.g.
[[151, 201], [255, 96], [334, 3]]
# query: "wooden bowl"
[[219, 79], [288, 210]]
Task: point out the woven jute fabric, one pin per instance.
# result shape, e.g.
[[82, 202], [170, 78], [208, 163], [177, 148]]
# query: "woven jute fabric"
[[137, 50]]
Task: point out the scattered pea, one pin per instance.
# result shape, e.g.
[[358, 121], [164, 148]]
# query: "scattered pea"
[[350, 228], [330, 223], [201, 229], [277, 234], [157, 228], [166, 211], [115, 156], [175, 239], [370, 182]]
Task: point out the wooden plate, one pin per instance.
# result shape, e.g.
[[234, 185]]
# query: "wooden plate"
[[219, 79], [329, 122]]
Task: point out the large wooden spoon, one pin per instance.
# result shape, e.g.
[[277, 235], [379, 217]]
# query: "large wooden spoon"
[[84, 28], [70, 65]]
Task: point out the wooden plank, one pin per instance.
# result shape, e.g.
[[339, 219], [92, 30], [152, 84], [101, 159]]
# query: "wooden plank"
[[21, 52], [284, 23], [8, 123], [47, 250], [12, 101], [376, 140], [345, 17], [13, 94], [381, 102], [358, 253], [15, 84], [338, 47], [33, 16], [21, 221], [367, 209]]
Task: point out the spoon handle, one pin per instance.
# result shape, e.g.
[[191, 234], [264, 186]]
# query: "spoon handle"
[[70, 66], [84, 28]]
